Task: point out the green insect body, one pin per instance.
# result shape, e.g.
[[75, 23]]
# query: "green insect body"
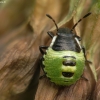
[[64, 60], [54, 66]]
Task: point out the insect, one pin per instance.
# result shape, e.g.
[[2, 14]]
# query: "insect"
[[64, 60]]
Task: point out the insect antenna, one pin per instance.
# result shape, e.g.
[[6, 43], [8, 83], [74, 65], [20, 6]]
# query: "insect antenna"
[[52, 20], [80, 20]]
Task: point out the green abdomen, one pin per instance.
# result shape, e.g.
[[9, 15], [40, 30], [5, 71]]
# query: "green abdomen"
[[53, 62]]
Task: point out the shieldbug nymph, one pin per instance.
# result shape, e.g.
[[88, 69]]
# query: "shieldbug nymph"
[[64, 60]]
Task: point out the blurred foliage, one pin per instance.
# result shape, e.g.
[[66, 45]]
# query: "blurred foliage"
[[23, 27]]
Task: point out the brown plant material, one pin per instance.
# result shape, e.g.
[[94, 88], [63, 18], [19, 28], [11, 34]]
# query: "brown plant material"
[[17, 54], [23, 27]]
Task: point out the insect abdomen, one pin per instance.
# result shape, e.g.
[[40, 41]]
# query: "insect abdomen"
[[54, 68]]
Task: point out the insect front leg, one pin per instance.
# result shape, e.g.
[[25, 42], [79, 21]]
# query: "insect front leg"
[[41, 49], [50, 34]]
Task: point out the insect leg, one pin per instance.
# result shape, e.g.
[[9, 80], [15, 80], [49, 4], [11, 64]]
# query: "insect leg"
[[44, 75], [41, 49], [50, 34], [84, 51], [85, 56], [84, 78]]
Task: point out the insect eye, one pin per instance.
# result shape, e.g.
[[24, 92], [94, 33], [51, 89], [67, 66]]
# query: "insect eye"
[[69, 63]]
